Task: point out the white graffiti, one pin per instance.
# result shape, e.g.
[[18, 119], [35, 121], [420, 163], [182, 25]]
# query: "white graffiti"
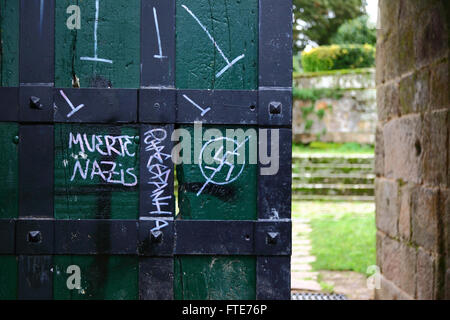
[[95, 58], [160, 173], [204, 111], [228, 62], [160, 55], [222, 162], [107, 146], [74, 109]]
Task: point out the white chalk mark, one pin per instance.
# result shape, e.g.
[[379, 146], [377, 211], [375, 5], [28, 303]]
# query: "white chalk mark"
[[95, 57], [204, 111], [41, 16], [160, 55], [74, 109], [222, 162], [229, 64]]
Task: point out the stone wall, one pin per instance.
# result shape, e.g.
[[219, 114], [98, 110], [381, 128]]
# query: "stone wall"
[[413, 150], [351, 117]]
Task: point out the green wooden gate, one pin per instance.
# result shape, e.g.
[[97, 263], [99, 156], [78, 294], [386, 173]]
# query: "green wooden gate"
[[95, 95]]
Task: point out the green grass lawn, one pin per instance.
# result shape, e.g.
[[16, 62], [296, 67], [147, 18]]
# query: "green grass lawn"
[[343, 234], [333, 148]]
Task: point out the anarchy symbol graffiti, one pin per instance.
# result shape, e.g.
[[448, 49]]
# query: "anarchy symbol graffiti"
[[223, 164]]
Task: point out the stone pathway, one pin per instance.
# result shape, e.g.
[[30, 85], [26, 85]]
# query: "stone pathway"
[[302, 276]]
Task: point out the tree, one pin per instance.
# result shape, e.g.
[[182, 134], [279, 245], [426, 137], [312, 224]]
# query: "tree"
[[356, 31], [318, 20]]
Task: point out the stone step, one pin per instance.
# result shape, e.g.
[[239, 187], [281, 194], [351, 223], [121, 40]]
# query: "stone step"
[[347, 198], [300, 267], [301, 253], [343, 178], [333, 159], [302, 260], [326, 170], [305, 275], [301, 242], [334, 189], [308, 285]]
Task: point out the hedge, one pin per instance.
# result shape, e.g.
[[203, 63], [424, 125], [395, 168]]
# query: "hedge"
[[337, 57]]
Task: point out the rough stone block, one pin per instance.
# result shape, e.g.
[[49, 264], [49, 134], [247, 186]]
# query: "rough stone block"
[[404, 223], [414, 92], [379, 151], [425, 221], [380, 60], [392, 54], [389, 16], [388, 101], [387, 206], [440, 93], [426, 265], [435, 146], [399, 264], [447, 285], [403, 149], [431, 39], [389, 291], [380, 240]]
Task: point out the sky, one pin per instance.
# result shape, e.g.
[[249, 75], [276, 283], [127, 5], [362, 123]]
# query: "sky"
[[372, 10]]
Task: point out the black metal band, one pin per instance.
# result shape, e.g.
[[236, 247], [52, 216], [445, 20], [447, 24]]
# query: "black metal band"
[[37, 42], [158, 43], [36, 158], [36, 153], [275, 43], [275, 110], [44, 104], [9, 104], [135, 237]]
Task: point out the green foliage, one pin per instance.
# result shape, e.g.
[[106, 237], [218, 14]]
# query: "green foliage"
[[343, 242], [319, 20], [317, 94], [337, 57], [356, 31], [318, 147], [296, 63]]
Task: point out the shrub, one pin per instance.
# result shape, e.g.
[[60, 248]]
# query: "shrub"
[[337, 57], [356, 31]]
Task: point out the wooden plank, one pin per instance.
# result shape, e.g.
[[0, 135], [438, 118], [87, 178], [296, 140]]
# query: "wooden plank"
[[230, 61], [111, 61], [233, 201], [216, 48], [9, 170], [101, 278], [101, 184], [8, 277], [213, 277], [9, 35]]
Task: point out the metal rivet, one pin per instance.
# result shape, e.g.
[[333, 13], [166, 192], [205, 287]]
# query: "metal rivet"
[[156, 236], [16, 140], [157, 105], [136, 139], [272, 237], [35, 103], [275, 107], [34, 237], [252, 107]]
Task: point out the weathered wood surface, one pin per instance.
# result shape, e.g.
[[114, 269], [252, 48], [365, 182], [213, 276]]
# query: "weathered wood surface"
[[200, 65], [9, 34], [117, 45]]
